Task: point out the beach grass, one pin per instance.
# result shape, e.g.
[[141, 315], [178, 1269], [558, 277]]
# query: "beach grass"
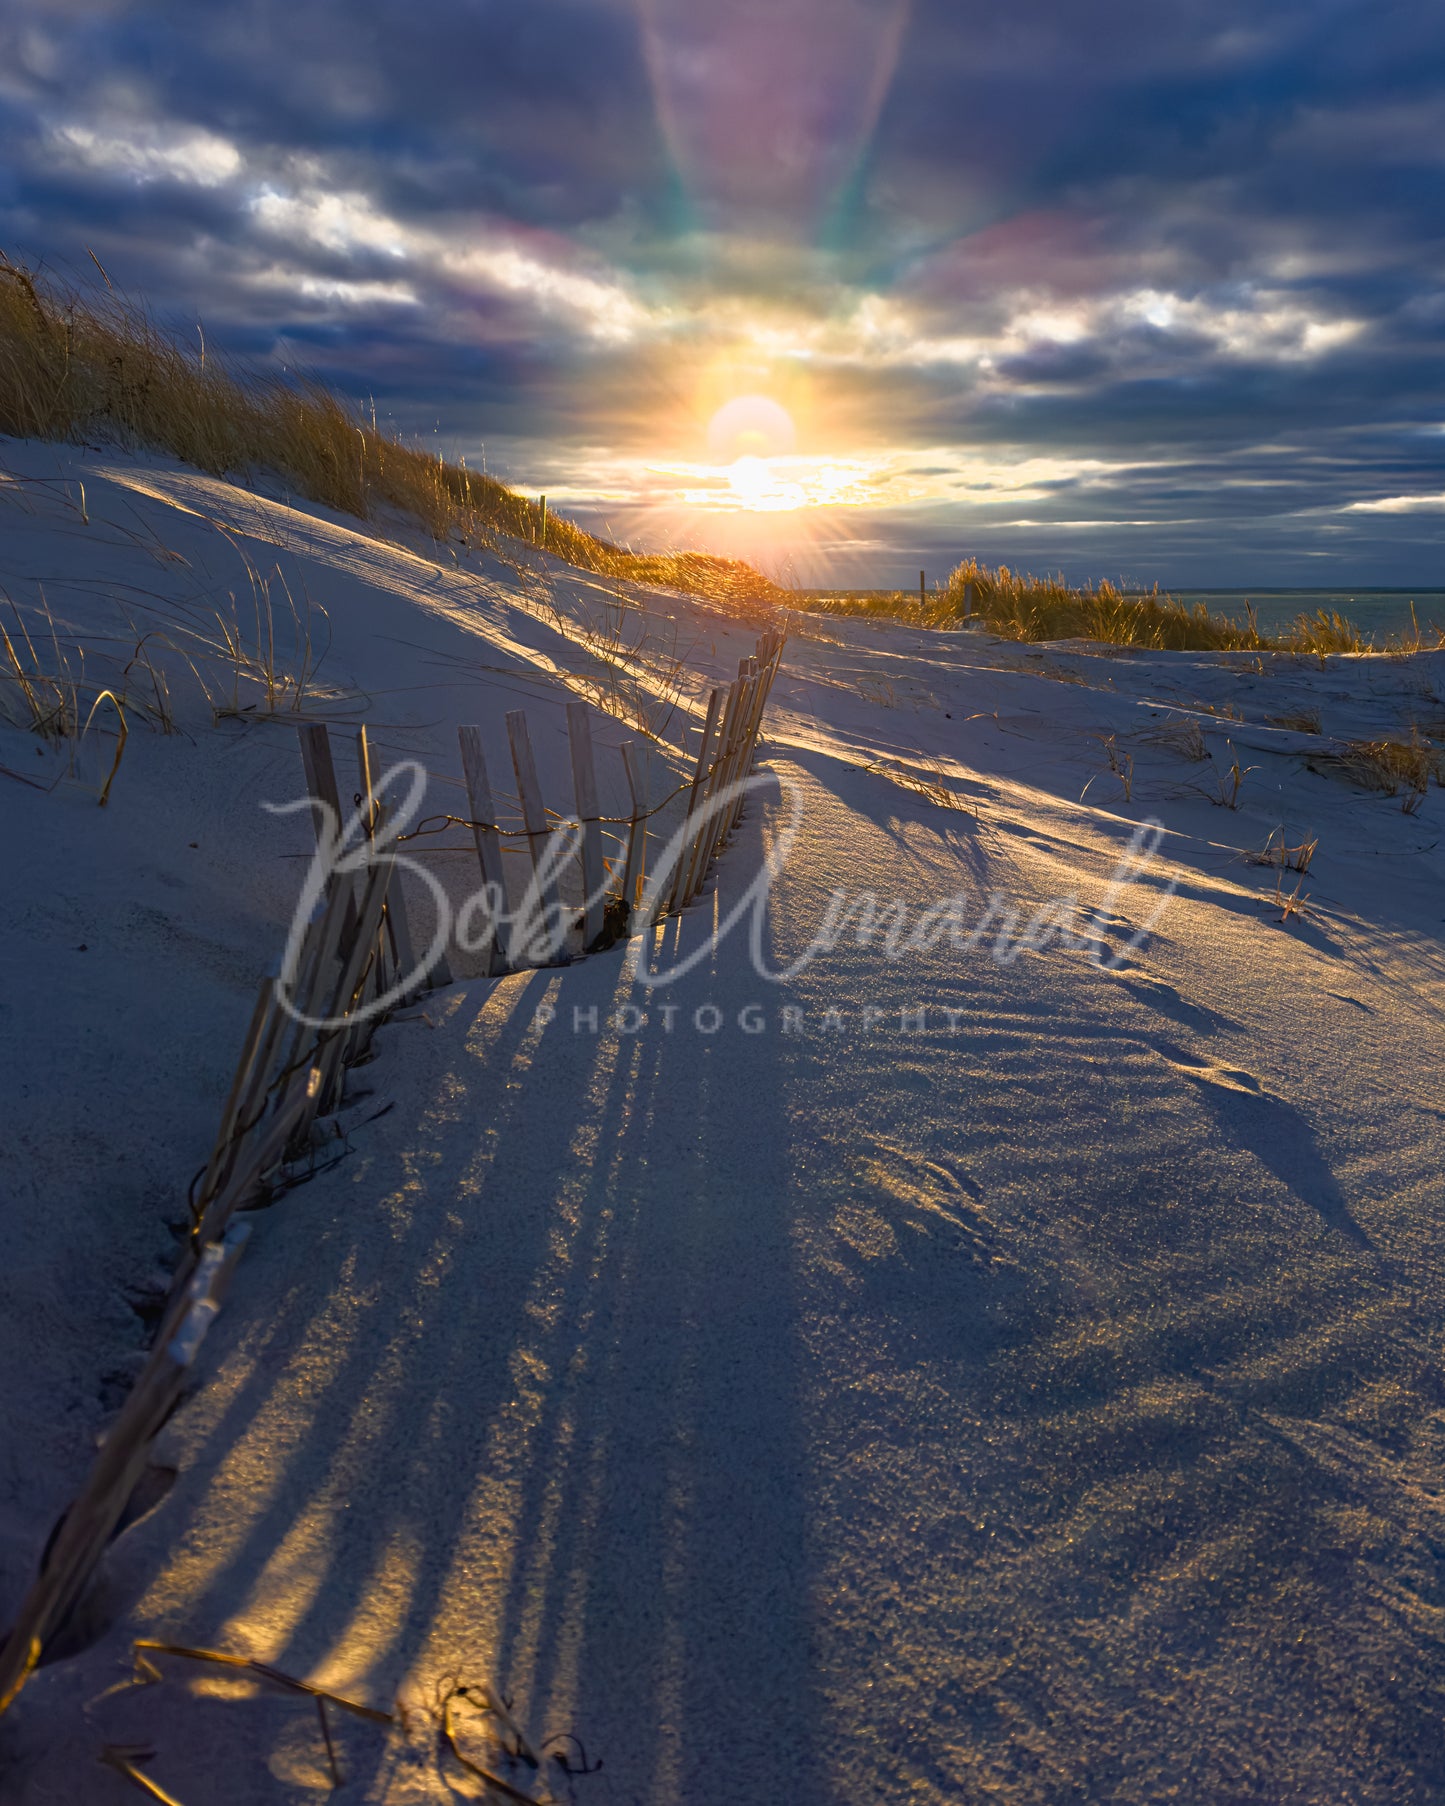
[[1022, 607], [92, 364], [84, 365]]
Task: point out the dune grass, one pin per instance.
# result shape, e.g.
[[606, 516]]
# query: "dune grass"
[[1029, 608], [84, 365]]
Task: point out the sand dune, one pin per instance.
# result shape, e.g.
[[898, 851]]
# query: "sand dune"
[[1001, 1368]]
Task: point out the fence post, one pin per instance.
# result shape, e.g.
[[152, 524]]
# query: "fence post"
[[534, 819], [231, 1111], [398, 923], [82, 1534], [484, 833], [747, 738], [675, 897], [707, 835], [350, 991], [742, 744], [589, 812], [634, 760], [320, 769]]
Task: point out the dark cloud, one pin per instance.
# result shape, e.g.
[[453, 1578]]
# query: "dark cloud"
[[1197, 247]]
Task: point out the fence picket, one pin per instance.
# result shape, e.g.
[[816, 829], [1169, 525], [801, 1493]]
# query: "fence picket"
[[534, 819], [589, 811], [398, 922], [680, 872], [488, 844], [707, 836], [634, 872], [289, 1072]]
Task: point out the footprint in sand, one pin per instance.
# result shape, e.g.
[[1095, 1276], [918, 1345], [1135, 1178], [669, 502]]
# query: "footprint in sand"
[[1277, 1134]]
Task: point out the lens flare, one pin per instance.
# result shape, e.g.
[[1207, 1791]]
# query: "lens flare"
[[768, 109], [750, 426]]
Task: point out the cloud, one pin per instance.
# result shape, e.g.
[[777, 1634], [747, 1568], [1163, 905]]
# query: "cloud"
[[1401, 504], [1039, 274], [149, 153]]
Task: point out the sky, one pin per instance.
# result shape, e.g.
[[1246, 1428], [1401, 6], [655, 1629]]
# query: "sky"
[[851, 287]]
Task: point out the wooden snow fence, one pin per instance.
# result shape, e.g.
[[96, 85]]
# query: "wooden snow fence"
[[292, 1069], [356, 949], [532, 922]]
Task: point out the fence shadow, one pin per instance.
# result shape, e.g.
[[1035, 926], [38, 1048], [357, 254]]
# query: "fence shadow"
[[527, 1409]]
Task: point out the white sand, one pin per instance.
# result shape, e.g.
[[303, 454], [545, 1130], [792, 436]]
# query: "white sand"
[[1046, 1408]]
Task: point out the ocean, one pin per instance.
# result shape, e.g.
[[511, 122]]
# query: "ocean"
[[1377, 612]]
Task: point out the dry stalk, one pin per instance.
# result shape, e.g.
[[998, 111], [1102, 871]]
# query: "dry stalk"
[[121, 737], [1301, 721], [1183, 736], [1276, 851], [925, 780], [123, 1759], [1120, 763], [1227, 783], [1394, 765], [1294, 903], [485, 1701]]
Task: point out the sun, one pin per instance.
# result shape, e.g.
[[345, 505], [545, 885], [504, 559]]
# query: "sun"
[[756, 483], [755, 470], [751, 426]]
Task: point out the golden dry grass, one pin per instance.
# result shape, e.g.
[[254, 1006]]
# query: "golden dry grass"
[[1030, 608], [1278, 852], [1393, 766], [79, 365]]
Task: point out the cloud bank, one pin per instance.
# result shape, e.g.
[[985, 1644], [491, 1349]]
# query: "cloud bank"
[[1132, 290]]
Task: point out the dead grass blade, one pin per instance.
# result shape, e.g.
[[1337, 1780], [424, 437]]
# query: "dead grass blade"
[[1294, 903], [1301, 721], [123, 1759], [925, 780], [1120, 763], [1227, 783], [1276, 851], [1394, 765], [1183, 736], [121, 737], [147, 1671], [486, 1702]]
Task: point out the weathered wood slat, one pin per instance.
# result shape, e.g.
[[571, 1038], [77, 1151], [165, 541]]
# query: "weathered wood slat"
[[589, 811], [634, 871], [711, 809], [230, 1112], [88, 1525], [527, 932], [737, 755], [312, 992], [488, 843], [319, 766], [699, 778], [348, 994], [399, 936]]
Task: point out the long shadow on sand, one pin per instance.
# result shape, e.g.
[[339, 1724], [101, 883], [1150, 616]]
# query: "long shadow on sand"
[[535, 1420]]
